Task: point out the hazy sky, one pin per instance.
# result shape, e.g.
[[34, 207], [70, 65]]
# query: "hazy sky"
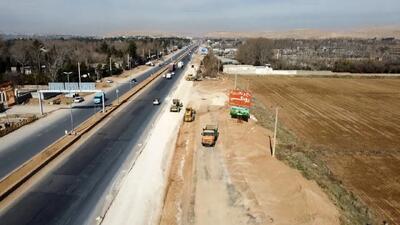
[[97, 17]]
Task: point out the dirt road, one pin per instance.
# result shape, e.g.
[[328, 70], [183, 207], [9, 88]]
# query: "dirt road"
[[236, 182]]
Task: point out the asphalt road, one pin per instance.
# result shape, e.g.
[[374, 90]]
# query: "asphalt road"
[[71, 191], [12, 157]]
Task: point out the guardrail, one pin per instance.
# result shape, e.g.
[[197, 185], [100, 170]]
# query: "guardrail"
[[19, 176]]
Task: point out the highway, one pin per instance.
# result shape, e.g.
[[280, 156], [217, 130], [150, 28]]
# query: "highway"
[[11, 157], [75, 189]]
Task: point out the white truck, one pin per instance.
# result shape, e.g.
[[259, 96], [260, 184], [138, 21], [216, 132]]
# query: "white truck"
[[180, 64]]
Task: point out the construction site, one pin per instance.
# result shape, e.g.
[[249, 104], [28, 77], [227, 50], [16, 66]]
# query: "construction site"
[[336, 154], [235, 180]]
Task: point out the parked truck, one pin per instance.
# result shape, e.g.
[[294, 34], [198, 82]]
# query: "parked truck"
[[209, 135], [190, 115]]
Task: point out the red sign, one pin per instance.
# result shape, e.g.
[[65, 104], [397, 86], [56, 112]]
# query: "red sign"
[[240, 98]]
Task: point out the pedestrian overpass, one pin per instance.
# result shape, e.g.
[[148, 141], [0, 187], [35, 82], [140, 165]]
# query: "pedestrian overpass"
[[65, 88]]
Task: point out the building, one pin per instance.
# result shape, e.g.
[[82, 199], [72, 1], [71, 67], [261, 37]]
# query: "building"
[[7, 94], [247, 69]]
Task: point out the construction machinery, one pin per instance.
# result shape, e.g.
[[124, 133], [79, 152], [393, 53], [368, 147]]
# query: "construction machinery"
[[209, 135], [240, 113], [190, 77], [190, 114], [176, 105]]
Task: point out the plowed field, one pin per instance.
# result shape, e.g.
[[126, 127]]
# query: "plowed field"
[[354, 123]]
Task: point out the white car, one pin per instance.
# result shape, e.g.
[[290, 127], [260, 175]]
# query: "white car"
[[156, 101], [173, 73], [109, 81], [78, 99], [150, 64]]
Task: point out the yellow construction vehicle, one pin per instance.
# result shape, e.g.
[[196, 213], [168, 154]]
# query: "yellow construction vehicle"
[[209, 135], [190, 114]]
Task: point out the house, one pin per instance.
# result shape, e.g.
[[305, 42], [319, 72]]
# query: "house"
[[27, 70]]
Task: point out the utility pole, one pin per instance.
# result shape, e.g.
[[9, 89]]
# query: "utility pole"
[[235, 81], [110, 68], [129, 62], [275, 130], [217, 66], [79, 74]]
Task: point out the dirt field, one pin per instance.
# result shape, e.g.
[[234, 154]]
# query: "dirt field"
[[354, 124], [236, 182]]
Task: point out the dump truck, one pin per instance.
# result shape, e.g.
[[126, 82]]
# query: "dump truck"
[[176, 105], [209, 135], [190, 114]]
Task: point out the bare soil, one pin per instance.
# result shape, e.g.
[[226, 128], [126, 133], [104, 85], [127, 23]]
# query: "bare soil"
[[237, 181], [351, 125]]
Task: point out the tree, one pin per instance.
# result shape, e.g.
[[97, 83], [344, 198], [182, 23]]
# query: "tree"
[[20, 52], [35, 51], [132, 48], [104, 48], [3, 58], [256, 52], [211, 64], [54, 60]]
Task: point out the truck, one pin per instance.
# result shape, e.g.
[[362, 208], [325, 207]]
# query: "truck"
[[168, 76], [98, 97], [240, 113], [190, 114], [209, 135], [180, 64], [171, 67], [176, 105]]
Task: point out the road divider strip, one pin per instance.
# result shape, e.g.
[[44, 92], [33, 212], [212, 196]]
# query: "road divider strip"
[[20, 175]]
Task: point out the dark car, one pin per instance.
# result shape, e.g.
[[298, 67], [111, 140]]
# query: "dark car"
[[133, 81]]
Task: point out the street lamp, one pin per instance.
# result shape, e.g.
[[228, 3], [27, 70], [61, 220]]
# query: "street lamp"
[[44, 50], [117, 92], [70, 106]]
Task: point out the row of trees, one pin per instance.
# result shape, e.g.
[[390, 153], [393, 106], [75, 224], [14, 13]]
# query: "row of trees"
[[211, 65], [356, 56], [256, 52], [47, 59]]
